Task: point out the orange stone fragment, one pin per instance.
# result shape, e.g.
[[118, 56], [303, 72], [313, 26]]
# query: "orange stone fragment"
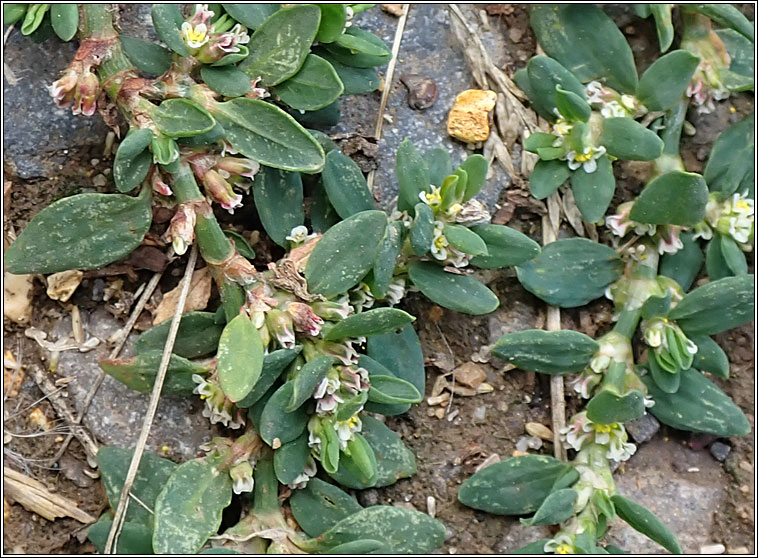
[[469, 118]]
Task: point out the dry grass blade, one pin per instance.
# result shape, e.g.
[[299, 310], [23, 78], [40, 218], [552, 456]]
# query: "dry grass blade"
[[120, 515], [36, 498], [388, 83]]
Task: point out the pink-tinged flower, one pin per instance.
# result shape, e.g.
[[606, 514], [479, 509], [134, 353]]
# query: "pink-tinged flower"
[[280, 326], [255, 91], [354, 378], [238, 166], [342, 351], [181, 230], [202, 15], [158, 184], [227, 149], [63, 89], [219, 190], [195, 36], [221, 44], [86, 94], [305, 319], [668, 240], [332, 311], [302, 479]]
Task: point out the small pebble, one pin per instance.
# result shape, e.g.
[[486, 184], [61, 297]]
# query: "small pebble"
[[712, 549], [720, 450], [643, 429], [539, 430], [738, 550], [480, 413], [431, 506], [99, 180]]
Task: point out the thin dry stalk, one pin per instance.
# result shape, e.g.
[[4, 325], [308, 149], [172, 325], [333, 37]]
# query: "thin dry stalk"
[[388, 83], [120, 515]]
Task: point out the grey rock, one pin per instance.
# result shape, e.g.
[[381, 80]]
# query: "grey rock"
[[518, 535], [720, 450], [37, 135], [683, 500], [427, 48], [369, 497], [116, 413], [643, 429]]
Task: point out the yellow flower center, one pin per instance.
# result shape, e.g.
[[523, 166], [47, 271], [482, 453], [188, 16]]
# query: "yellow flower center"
[[604, 428], [742, 204], [196, 35], [434, 198], [440, 242], [583, 157], [564, 549]]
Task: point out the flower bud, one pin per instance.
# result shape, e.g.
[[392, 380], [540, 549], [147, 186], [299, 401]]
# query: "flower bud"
[[181, 230], [202, 15], [332, 311], [281, 328], [63, 89], [242, 477], [87, 92], [219, 190], [159, 186], [238, 166], [305, 319]]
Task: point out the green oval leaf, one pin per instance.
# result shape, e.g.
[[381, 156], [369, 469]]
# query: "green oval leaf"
[[12, 13], [587, 42], [274, 364], [193, 486], [279, 200], [547, 177], [182, 118], [571, 272], [355, 81], [422, 229], [386, 258], [139, 372], [726, 15], [359, 48], [373, 322], [515, 486], [683, 266], [663, 25], [440, 167], [731, 158], [627, 139], [345, 185], [280, 45], [556, 508], [666, 80], [85, 231], [333, 20], [290, 459], [403, 531], [461, 293], [320, 506], [306, 381], [546, 74], [547, 352], [389, 390], [240, 357], [642, 519], [167, 19], [33, 17], [276, 423], [412, 175], [505, 247], [465, 240], [717, 306], [152, 475], [226, 80], [135, 539], [476, 167], [263, 132], [593, 191], [197, 336], [675, 198], [572, 106], [133, 159], [65, 20], [710, 357], [315, 86], [345, 253], [251, 16]]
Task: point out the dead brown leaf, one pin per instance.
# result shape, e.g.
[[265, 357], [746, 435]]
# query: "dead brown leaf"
[[197, 299]]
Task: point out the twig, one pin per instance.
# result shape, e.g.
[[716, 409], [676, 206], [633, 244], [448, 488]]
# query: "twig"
[[123, 335], [61, 406], [34, 496], [120, 515], [553, 323], [388, 84]]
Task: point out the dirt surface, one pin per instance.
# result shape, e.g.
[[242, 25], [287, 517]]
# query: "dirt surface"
[[472, 428]]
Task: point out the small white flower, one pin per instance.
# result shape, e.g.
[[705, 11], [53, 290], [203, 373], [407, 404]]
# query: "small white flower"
[[587, 159], [298, 234], [613, 109], [433, 199], [396, 290], [561, 544], [439, 242], [195, 36]]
